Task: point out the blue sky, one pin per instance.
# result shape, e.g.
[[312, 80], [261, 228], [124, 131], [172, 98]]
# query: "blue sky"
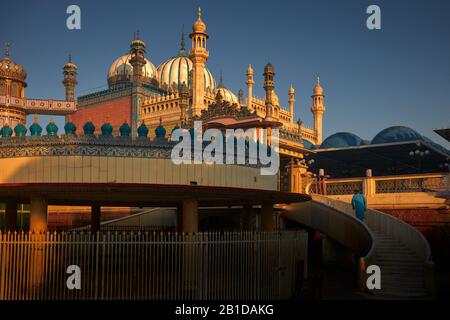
[[399, 75]]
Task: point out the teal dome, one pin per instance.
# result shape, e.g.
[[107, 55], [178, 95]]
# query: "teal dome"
[[6, 131], [52, 129], [89, 128], [70, 128], [142, 130], [160, 132], [125, 130], [20, 130], [396, 134], [35, 129], [341, 140], [106, 129], [308, 145]]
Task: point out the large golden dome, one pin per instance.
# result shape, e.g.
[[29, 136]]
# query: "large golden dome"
[[121, 71], [10, 69]]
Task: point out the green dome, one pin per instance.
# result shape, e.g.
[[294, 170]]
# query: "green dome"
[[160, 132], [52, 129], [125, 130], [20, 130], [142, 130], [107, 129], [70, 128], [6, 131], [89, 128], [35, 129]]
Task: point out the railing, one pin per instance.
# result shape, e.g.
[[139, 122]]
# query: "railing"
[[417, 184], [168, 266]]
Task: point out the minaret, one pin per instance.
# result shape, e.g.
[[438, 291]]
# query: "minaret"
[[269, 85], [291, 102], [199, 55], [184, 103], [318, 108], [250, 84], [70, 79], [137, 60]]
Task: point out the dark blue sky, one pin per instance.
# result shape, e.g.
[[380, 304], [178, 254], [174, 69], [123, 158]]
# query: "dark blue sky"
[[399, 75]]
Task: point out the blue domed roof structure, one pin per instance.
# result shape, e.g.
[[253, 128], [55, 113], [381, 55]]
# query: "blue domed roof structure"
[[20, 130], [308, 145], [6, 131], [160, 131], [125, 130], [341, 140], [89, 128], [142, 131], [70, 128], [52, 128], [396, 134], [106, 129], [35, 129]]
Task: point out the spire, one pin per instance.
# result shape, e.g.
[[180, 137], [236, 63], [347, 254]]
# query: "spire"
[[7, 51], [70, 58], [183, 49], [199, 13]]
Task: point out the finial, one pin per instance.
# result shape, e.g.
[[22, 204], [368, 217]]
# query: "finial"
[[35, 118], [199, 14], [182, 39], [7, 45], [318, 80], [70, 58], [160, 121]]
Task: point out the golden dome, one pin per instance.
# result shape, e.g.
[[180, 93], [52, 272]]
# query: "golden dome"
[[228, 95], [121, 71], [318, 90], [291, 90], [199, 26], [275, 99], [9, 69]]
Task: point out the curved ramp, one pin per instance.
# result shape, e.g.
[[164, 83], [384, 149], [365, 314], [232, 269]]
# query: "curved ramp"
[[402, 252]]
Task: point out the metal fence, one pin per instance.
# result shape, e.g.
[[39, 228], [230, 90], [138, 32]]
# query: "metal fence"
[[233, 265]]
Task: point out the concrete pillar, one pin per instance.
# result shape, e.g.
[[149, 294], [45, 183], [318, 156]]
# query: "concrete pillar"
[[10, 216], [248, 218], [190, 216], [38, 214], [95, 218], [267, 217]]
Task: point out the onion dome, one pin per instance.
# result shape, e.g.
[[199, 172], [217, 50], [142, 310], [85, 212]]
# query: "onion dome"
[[226, 93], [341, 140], [89, 128], [160, 131], [70, 128], [125, 130], [106, 129], [52, 128], [6, 131], [20, 130], [11, 70], [142, 130], [318, 90], [176, 70], [396, 134], [199, 26], [35, 128]]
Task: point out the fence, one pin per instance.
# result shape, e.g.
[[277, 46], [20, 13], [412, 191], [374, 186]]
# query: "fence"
[[234, 265]]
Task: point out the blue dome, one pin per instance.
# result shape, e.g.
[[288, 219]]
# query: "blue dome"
[[396, 134], [160, 132], [125, 130], [341, 140], [89, 128], [106, 129], [35, 129], [70, 128], [6, 131], [52, 129], [20, 130], [142, 131]]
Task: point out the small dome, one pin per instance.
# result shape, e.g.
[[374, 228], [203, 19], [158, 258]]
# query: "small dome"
[[106, 129], [228, 95], [89, 128], [175, 71], [396, 134], [70, 128], [160, 131], [10, 69], [142, 131], [341, 140], [125, 130], [121, 71], [318, 90], [6, 131], [20, 130], [35, 129], [199, 26], [52, 128]]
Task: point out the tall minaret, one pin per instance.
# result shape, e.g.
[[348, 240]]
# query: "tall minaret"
[[70, 79], [318, 108], [137, 60], [250, 84], [291, 102], [199, 55], [269, 85]]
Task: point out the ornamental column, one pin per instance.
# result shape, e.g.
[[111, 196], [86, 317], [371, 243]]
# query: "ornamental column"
[[38, 214]]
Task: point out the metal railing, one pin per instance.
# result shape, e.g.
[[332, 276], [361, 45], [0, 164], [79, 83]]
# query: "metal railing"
[[232, 265]]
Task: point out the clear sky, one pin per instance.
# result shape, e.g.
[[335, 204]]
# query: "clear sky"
[[399, 75]]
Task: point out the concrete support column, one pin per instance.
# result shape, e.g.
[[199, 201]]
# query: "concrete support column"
[[96, 213], [190, 216], [10, 216], [38, 214], [248, 218], [267, 217]]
